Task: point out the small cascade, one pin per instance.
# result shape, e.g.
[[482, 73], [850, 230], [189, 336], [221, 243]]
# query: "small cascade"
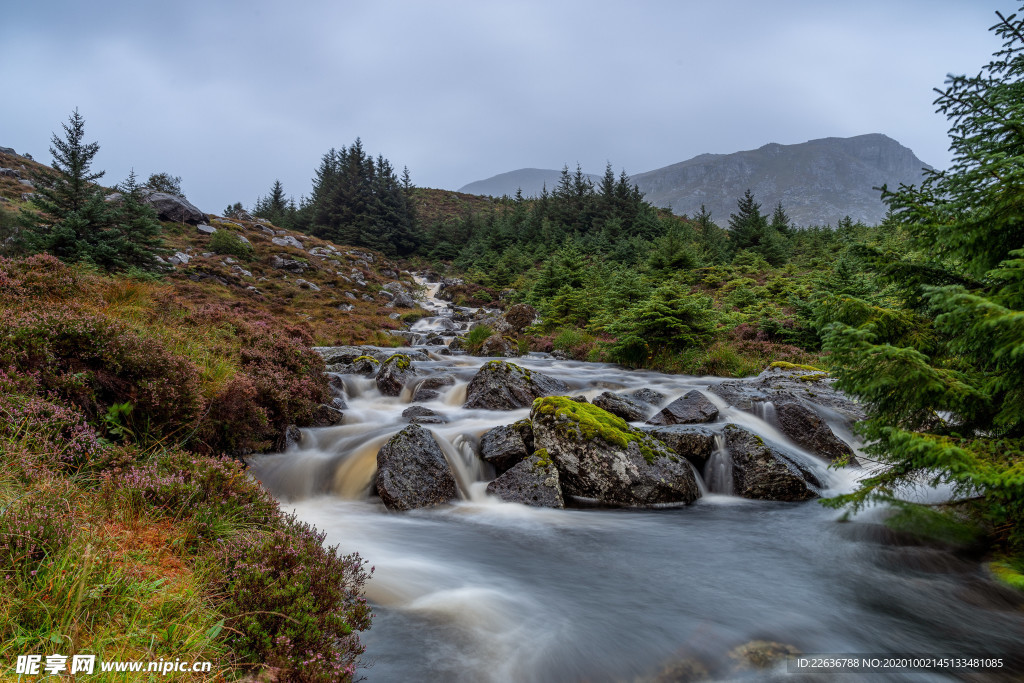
[[718, 470], [354, 474], [765, 410]]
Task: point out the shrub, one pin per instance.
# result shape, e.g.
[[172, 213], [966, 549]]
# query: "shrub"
[[477, 336], [31, 531], [294, 604], [226, 242]]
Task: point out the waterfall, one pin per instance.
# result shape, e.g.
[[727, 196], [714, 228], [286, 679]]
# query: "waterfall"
[[718, 470]]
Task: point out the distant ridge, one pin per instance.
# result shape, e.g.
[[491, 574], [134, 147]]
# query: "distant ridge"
[[818, 182], [530, 180]]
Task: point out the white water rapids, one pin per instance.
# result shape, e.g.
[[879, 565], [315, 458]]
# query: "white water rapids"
[[483, 590]]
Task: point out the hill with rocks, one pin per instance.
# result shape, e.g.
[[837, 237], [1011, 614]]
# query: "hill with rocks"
[[818, 182]]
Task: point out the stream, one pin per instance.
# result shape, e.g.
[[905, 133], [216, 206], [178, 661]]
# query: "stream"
[[483, 590]]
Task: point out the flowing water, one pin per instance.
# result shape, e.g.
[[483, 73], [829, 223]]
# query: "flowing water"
[[483, 590]]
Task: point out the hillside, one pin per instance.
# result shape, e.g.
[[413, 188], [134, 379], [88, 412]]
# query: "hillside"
[[530, 180], [818, 182]]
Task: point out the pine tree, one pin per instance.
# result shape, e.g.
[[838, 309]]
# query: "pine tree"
[[165, 182], [73, 186], [944, 381], [747, 225], [714, 243], [780, 221]]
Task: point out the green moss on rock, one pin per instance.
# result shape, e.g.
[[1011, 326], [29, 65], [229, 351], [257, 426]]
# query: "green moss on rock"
[[585, 421], [783, 365], [400, 360], [358, 359]]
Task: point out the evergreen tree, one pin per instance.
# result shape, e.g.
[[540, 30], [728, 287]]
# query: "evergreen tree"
[[73, 186], [165, 182], [747, 225], [713, 241], [780, 221], [944, 383]]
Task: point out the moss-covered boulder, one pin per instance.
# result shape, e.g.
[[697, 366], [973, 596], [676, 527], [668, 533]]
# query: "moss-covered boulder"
[[412, 471], [394, 373], [602, 459], [691, 408], [363, 365], [693, 442], [763, 472], [533, 481], [500, 385]]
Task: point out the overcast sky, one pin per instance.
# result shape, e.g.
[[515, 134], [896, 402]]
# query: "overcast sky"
[[233, 95]]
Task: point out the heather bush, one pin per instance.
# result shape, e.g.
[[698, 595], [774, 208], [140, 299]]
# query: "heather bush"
[[41, 275], [294, 604], [31, 532], [57, 434], [95, 362], [209, 495]]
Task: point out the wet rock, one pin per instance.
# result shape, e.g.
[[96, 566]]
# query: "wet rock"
[[499, 346], [601, 458], [421, 415], [763, 472], [648, 396], [691, 408], [412, 471], [336, 384], [427, 390], [327, 416], [500, 385], [519, 317], [760, 654], [394, 373], [339, 402], [333, 355], [291, 436], [806, 428], [457, 346], [533, 481], [692, 442], [627, 408], [503, 447], [782, 383]]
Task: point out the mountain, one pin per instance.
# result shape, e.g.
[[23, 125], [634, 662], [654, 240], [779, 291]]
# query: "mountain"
[[818, 182], [530, 180]]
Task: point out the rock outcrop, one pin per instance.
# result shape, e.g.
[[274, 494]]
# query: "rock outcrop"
[[806, 428], [394, 373], [412, 471], [499, 385], [692, 407], [602, 459], [533, 481], [764, 472]]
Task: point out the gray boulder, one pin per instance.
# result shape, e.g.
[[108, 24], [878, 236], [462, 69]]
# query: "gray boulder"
[[427, 390], [291, 265], [204, 229], [783, 382], [421, 415], [500, 385], [412, 471], [806, 428], [690, 441], [601, 458], [287, 241], [648, 396], [327, 416], [690, 408], [534, 482], [503, 447], [497, 345], [169, 207], [627, 408], [764, 472], [394, 373]]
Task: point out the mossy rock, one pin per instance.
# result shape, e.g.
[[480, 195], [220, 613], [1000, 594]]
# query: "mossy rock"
[[500, 385]]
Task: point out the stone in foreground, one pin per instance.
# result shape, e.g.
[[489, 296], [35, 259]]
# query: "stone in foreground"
[[499, 385], [629, 409], [412, 471], [601, 458], [533, 481], [691, 408], [503, 447], [762, 472], [690, 441], [808, 429]]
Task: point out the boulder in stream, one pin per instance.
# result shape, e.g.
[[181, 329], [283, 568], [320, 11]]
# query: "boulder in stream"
[[412, 471], [504, 447], [782, 382], [627, 408], [763, 472], [327, 416], [602, 459], [394, 373], [690, 441], [427, 390], [806, 428], [648, 396], [500, 385], [422, 415], [690, 408], [533, 481]]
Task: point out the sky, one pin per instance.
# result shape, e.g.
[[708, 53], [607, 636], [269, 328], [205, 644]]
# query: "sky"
[[231, 96]]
